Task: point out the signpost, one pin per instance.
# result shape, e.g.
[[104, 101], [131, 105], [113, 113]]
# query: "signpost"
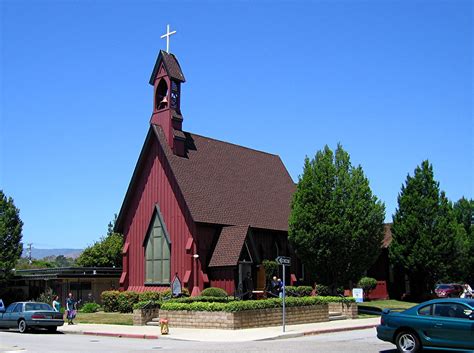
[[284, 261]]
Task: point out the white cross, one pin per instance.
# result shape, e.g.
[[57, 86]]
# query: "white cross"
[[167, 35]]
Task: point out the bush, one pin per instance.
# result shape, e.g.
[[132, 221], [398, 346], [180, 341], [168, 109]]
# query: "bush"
[[323, 290], [166, 294], [147, 296], [110, 300], [90, 308], [214, 292], [234, 306], [147, 304], [126, 300], [202, 299], [304, 291], [367, 283], [46, 296], [271, 269]]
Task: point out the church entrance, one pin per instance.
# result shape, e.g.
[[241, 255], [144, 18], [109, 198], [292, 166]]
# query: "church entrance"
[[245, 279]]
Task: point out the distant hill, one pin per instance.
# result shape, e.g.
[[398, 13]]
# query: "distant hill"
[[41, 253]]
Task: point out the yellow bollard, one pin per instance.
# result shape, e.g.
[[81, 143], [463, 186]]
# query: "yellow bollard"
[[164, 326]]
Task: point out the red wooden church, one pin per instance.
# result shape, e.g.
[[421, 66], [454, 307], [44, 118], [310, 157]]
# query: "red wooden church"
[[207, 210]]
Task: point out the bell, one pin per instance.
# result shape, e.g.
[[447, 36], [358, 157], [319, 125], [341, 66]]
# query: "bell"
[[164, 100]]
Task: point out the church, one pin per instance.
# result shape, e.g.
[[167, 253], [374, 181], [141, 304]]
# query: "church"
[[207, 211]]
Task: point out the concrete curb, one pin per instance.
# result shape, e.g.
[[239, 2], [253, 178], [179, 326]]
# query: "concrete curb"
[[318, 332], [120, 335]]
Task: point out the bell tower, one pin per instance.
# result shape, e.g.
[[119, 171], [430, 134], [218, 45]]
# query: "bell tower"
[[166, 80]]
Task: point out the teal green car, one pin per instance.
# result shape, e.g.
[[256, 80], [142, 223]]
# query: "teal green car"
[[440, 324]]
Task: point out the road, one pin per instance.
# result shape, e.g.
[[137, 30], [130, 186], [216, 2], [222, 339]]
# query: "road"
[[363, 341]]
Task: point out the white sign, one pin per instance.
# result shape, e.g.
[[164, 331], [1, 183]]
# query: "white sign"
[[283, 260], [358, 294]]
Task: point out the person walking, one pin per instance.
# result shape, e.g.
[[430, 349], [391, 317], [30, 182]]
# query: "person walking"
[[71, 309], [274, 286], [280, 288], [56, 303], [467, 291]]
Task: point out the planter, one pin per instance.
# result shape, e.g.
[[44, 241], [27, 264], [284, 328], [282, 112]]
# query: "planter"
[[245, 319], [348, 309]]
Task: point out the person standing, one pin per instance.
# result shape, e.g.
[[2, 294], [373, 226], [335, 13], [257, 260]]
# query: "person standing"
[[71, 309], [274, 286], [56, 304], [280, 288], [467, 291], [248, 286]]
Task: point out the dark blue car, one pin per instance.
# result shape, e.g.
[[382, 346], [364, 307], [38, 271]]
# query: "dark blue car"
[[444, 324]]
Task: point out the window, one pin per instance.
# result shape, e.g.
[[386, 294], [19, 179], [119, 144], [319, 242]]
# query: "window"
[[18, 308], [157, 254], [11, 307], [452, 310], [426, 310], [37, 307]]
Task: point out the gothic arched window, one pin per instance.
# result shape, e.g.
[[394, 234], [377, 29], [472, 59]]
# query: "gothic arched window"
[[161, 97], [157, 253]]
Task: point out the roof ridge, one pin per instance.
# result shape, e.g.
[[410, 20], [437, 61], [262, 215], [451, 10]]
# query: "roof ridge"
[[233, 144]]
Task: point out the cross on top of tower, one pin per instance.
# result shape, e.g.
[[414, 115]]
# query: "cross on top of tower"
[[167, 35]]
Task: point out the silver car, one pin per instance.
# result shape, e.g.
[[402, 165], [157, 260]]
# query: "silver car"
[[25, 315]]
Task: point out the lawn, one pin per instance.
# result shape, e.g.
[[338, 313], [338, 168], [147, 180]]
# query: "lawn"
[[374, 308], [104, 318]]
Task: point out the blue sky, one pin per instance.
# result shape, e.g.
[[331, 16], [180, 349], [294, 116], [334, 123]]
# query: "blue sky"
[[390, 80]]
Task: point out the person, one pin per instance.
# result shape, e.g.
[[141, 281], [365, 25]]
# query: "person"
[[248, 286], [274, 286], [314, 292], [56, 303], [467, 291], [280, 288], [70, 309]]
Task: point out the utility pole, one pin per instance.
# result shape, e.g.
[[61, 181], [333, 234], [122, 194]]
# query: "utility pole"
[[29, 253]]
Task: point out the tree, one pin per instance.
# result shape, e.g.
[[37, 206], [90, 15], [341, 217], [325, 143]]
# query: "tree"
[[107, 252], [336, 223], [464, 213], [10, 236], [428, 244]]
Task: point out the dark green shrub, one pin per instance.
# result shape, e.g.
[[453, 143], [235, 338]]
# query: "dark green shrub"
[[239, 305], [323, 290], [291, 291], [46, 296], [202, 299], [90, 308], [214, 292], [126, 300], [110, 300], [367, 284], [148, 304], [304, 291], [271, 269], [146, 296], [166, 294]]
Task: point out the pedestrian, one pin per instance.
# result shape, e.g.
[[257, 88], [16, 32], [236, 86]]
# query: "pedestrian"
[[314, 292], [56, 303], [70, 309], [280, 287], [467, 291], [274, 286]]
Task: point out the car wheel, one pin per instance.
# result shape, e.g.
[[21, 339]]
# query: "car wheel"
[[22, 326], [52, 328], [407, 342]]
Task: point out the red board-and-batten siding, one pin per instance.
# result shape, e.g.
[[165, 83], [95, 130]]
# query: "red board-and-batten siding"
[[154, 185]]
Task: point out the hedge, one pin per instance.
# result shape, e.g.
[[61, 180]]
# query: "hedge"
[[235, 306], [109, 300], [147, 296], [301, 291], [202, 299], [126, 300], [90, 308], [148, 304]]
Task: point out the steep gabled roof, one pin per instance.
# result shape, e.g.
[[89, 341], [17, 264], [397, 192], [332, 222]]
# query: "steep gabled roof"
[[227, 184], [171, 65], [229, 246]]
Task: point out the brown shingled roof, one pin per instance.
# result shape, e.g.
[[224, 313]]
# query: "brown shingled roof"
[[229, 246], [387, 235], [227, 184], [171, 65]]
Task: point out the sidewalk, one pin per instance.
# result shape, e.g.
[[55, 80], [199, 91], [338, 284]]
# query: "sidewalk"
[[211, 335]]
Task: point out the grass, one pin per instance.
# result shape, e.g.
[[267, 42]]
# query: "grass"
[[388, 304], [104, 318]]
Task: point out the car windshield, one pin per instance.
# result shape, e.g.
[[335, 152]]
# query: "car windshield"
[[37, 306], [444, 286]]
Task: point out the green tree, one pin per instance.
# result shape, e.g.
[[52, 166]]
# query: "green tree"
[[464, 213], [336, 223], [10, 236], [107, 252], [428, 244]]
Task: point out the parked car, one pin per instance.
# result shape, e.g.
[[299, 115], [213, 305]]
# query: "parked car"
[[446, 324], [451, 290], [25, 315]]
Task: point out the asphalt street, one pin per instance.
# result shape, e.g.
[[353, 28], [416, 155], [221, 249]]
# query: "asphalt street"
[[41, 342]]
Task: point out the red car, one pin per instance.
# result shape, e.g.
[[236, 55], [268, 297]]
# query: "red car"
[[449, 290]]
